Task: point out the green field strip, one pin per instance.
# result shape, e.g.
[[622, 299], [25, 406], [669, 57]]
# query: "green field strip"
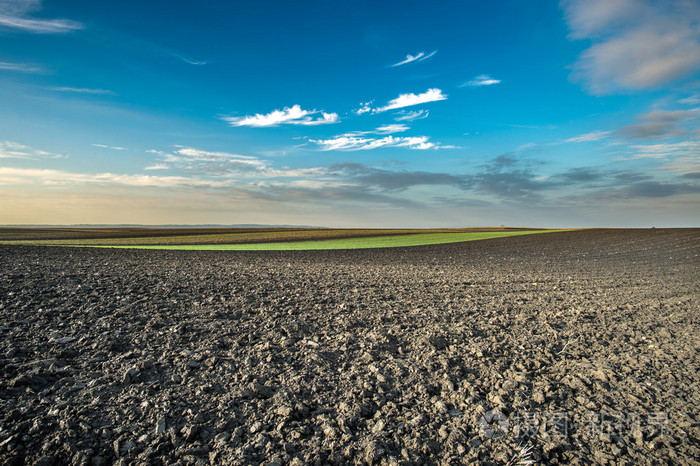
[[418, 239], [241, 237]]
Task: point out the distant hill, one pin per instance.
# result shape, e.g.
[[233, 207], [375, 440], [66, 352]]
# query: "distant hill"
[[130, 225]]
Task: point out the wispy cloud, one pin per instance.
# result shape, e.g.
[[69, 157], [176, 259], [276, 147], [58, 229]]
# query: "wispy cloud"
[[392, 128], [658, 151], [21, 67], [410, 116], [102, 146], [294, 115], [10, 175], [588, 137], [691, 100], [14, 150], [415, 58], [688, 166], [83, 90], [14, 14], [225, 165], [157, 166], [382, 130], [409, 100], [657, 124], [198, 154], [190, 61], [481, 80], [636, 43], [353, 143]]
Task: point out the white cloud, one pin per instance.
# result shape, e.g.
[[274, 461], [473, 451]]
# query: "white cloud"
[[198, 154], [481, 80], [157, 166], [165, 156], [409, 100], [392, 128], [382, 130], [226, 164], [365, 107], [83, 90], [350, 143], [692, 100], [21, 67], [40, 26], [410, 116], [13, 14], [637, 43], [288, 116], [102, 146], [13, 150], [588, 137], [418, 57], [190, 61]]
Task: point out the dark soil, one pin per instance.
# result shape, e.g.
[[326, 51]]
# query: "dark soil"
[[581, 346], [189, 235]]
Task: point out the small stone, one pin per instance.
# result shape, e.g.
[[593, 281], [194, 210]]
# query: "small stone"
[[147, 364], [441, 406], [379, 426], [638, 435], [373, 452], [192, 364], [284, 411], [160, 426], [127, 447], [65, 340], [329, 431], [129, 376], [222, 438], [143, 439], [257, 425], [538, 397], [189, 432], [176, 378]]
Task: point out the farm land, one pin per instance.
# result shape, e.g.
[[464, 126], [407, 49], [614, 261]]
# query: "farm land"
[[570, 347]]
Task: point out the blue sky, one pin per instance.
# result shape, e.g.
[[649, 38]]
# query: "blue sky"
[[403, 114]]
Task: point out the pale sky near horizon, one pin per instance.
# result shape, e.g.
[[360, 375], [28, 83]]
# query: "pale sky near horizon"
[[351, 114]]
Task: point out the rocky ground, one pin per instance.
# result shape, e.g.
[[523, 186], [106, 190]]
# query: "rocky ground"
[[577, 347]]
